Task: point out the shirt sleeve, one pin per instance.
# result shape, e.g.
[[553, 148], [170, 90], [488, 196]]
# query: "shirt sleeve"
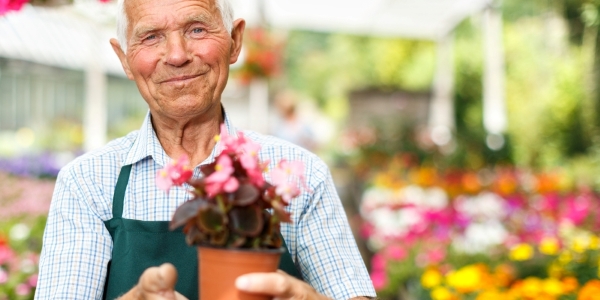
[[76, 247], [326, 250]]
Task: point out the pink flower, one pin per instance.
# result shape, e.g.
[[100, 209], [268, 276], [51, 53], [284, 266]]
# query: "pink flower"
[[6, 254], [378, 262], [367, 230], [177, 172], [379, 279], [8, 5], [32, 280], [396, 252], [3, 276], [22, 289], [577, 209], [282, 177], [222, 180], [228, 144]]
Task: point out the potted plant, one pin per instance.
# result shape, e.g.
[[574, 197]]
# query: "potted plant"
[[234, 215]]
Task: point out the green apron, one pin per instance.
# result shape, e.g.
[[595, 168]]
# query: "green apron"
[[138, 245]]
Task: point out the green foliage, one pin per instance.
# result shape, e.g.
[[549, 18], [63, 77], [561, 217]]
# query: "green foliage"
[[327, 67]]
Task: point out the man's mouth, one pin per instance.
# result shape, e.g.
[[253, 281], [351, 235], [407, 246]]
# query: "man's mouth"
[[180, 78]]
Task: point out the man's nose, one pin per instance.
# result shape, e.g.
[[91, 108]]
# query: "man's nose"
[[177, 54]]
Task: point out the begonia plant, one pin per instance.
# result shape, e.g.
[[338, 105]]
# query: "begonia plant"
[[232, 205]]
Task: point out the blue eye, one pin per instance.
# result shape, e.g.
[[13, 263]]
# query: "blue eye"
[[197, 30], [150, 37]]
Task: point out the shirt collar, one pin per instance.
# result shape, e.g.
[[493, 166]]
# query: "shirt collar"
[[147, 145]]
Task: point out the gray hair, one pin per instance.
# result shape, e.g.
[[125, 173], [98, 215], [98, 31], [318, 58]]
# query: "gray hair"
[[224, 7]]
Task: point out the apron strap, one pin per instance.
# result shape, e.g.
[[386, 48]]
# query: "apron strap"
[[120, 189]]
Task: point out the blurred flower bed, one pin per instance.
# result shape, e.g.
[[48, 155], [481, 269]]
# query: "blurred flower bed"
[[26, 186], [500, 233]]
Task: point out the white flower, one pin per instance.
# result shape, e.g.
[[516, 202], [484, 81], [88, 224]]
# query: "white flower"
[[484, 206], [432, 198], [19, 232], [480, 237]]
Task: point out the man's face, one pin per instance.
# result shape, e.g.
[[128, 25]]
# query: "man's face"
[[179, 54]]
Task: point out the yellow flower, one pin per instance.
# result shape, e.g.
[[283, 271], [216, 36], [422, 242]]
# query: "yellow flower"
[[580, 244], [553, 287], [565, 258], [521, 252], [549, 246], [467, 279], [531, 287], [491, 295], [442, 293], [431, 278], [594, 242]]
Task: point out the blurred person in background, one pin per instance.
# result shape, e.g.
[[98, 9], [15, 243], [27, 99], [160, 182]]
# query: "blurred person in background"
[[178, 52], [290, 126]]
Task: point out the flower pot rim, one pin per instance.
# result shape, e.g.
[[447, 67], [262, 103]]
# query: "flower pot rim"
[[246, 250]]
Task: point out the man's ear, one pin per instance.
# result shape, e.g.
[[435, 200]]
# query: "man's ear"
[[237, 35], [122, 57]]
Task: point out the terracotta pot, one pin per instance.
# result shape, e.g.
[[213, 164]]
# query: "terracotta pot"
[[219, 269]]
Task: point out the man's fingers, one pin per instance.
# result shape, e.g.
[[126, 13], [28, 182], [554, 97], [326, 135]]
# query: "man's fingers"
[[159, 280], [274, 284]]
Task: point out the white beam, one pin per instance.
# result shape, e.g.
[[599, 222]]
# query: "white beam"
[[441, 110], [494, 106]]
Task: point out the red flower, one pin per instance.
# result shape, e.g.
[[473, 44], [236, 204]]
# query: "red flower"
[[176, 173], [8, 5]]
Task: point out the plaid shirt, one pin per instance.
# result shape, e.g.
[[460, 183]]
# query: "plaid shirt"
[[77, 246]]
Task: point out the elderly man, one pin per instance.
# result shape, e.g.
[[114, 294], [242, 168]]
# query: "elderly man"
[[106, 232]]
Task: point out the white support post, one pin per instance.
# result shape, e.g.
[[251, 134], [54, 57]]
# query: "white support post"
[[441, 110], [94, 117], [259, 105], [494, 106]]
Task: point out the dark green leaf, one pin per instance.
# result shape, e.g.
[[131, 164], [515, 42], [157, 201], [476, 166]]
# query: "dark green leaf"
[[246, 220], [210, 219], [246, 195], [186, 212]]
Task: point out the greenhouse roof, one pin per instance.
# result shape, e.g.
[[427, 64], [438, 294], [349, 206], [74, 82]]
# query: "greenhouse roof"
[[419, 19], [76, 36]]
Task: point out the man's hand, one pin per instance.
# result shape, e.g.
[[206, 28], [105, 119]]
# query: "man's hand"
[[278, 284], [156, 283]]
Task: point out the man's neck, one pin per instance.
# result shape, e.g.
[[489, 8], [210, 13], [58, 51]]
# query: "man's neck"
[[193, 137]]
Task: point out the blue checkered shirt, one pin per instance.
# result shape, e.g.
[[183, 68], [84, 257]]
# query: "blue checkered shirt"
[[77, 246]]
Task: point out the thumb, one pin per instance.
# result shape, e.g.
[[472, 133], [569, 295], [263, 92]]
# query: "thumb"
[[159, 280]]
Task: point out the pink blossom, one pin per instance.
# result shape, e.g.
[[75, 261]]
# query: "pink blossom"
[[25, 196], [8, 5], [367, 230], [577, 209], [436, 256], [222, 180], [378, 262], [283, 178], [379, 279], [177, 172], [23, 289], [6, 254], [396, 252], [229, 144], [3, 276], [32, 280]]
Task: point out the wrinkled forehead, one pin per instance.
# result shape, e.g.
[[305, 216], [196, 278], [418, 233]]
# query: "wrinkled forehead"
[[135, 9]]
